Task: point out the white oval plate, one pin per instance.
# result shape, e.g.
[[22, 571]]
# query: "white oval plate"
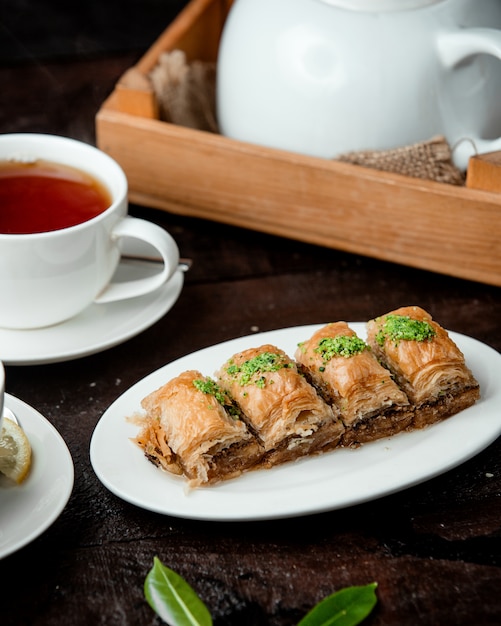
[[331, 481], [27, 510]]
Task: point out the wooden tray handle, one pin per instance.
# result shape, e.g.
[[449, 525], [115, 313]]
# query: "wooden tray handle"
[[484, 172]]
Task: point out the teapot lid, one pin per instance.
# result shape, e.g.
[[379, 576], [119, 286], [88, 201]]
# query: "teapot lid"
[[380, 5]]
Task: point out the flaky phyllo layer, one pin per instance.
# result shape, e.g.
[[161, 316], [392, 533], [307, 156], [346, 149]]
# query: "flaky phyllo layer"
[[281, 407], [425, 362], [263, 408], [346, 373], [192, 427]]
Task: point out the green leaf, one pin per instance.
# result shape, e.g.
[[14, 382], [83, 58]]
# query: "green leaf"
[[346, 607], [172, 598]]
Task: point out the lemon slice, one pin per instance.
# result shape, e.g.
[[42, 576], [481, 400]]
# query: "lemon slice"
[[15, 451]]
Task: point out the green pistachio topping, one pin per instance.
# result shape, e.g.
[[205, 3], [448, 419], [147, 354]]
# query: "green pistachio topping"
[[253, 370], [211, 388], [403, 328], [342, 345], [302, 346]]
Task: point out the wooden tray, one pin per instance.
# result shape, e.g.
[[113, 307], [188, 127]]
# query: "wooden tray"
[[433, 226]]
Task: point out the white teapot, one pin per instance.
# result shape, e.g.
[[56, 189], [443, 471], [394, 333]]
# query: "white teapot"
[[326, 77]]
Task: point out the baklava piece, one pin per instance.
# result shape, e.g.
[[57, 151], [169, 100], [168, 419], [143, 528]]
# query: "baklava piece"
[[280, 406], [193, 427], [343, 369], [425, 362]]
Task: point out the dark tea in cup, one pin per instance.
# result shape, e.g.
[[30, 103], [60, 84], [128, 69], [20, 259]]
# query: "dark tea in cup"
[[61, 232], [43, 196]]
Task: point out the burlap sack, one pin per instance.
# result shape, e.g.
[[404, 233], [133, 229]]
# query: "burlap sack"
[[431, 160], [185, 92]]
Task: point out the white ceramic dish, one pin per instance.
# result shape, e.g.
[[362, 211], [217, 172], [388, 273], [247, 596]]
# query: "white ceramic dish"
[[27, 510], [99, 327], [331, 481]]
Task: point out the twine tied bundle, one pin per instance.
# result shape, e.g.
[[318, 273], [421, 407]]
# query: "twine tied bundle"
[[185, 93]]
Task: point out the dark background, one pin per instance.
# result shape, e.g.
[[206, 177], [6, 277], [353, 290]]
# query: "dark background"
[[32, 30]]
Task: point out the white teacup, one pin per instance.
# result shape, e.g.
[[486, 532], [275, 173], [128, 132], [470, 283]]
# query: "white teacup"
[[326, 77], [49, 277]]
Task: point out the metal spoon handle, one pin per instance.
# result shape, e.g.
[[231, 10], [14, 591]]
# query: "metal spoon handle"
[[184, 264]]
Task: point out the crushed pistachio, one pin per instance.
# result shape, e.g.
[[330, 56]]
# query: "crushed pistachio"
[[302, 346], [403, 328], [211, 388], [342, 345], [251, 371]]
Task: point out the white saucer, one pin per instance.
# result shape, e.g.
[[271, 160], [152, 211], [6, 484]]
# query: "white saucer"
[[99, 327], [27, 510]]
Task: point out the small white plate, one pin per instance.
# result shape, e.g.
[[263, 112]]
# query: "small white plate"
[[330, 481], [99, 327], [27, 510]]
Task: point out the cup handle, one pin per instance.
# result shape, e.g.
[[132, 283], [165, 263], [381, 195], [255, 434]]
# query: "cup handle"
[[455, 46], [159, 239]]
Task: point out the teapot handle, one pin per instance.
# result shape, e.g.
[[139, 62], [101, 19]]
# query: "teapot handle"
[[454, 47]]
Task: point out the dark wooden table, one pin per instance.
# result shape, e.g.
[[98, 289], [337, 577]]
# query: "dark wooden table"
[[434, 549]]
